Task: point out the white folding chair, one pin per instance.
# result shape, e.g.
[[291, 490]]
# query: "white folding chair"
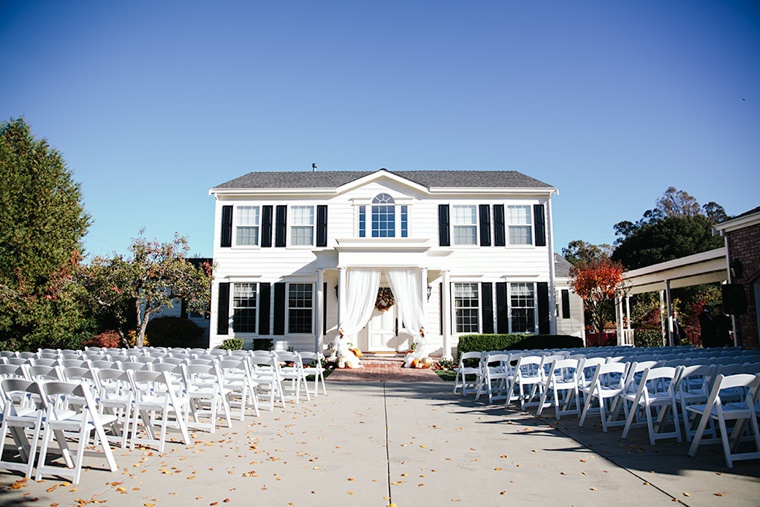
[[529, 379], [23, 411], [498, 377], [206, 394], [606, 387], [115, 399], [694, 386], [741, 412], [292, 373], [157, 406], [239, 385], [469, 366], [265, 370], [65, 421], [656, 391], [312, 364], [562, 383]]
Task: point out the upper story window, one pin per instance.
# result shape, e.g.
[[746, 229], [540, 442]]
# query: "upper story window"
[[385, 222], [247, 225], [302, 225], [465, 224], [519, 225]]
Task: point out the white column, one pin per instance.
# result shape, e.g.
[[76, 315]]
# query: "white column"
[[319, 306], [423, 285], [552, 274], [341, 293], [446, 317]]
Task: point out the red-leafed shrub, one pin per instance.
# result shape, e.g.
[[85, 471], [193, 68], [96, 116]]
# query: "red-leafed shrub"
[[108, 339]]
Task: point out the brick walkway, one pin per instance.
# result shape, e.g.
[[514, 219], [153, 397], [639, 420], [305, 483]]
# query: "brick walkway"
[[383, 371]]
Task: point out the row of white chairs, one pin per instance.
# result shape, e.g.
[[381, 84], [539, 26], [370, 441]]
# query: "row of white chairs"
[[629, 394]]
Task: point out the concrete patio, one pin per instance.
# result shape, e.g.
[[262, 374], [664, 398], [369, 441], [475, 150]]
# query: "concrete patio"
[[406, 442]]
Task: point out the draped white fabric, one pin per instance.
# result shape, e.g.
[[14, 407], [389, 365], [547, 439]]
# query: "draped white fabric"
[[405, 284], [361, 287]]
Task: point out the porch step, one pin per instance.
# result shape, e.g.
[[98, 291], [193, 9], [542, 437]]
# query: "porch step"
[[381, 357]]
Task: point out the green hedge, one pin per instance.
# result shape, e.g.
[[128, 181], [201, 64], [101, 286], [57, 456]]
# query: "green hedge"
[[647, 338], [484, 342], [232, 344]]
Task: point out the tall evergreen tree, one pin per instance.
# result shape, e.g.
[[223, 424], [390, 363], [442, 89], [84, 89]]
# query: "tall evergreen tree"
[[42, 222]]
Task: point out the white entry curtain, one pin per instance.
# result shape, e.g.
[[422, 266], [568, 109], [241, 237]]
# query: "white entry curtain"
[[361, 285], [405, 284]]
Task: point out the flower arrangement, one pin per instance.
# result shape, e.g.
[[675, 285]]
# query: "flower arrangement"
[[384, 299]]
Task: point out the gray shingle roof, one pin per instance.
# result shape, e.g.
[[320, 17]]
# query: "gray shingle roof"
[[429, 179], [561, 266]]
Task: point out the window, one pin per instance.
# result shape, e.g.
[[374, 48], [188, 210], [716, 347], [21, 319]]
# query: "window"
[[523, 308], [384, 219], [244, 308], [464, 221], [302, 225], [466, 307], [247, 229], [519, 224], [299, 308]]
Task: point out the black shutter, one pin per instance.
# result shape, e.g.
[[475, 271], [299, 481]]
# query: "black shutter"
[[279, 308], [543, 307], [499, 229], [183, 309], [265, 302], [322, 225], [280, 226], [485, 225], [502, 312], [486, 304], [443, 225], [223, 309], [266, 226], [565, 304], [226, 226], [540, 222]]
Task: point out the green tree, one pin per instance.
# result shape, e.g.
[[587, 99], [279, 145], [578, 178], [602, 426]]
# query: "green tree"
[[578, 251], [150, 279], [42, 222], [677, 227]]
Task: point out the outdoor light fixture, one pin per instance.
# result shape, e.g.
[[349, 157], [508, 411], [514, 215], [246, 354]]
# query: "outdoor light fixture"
[[429, 291]]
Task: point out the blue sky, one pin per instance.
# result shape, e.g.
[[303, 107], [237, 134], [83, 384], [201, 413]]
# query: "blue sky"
[[154, 102]]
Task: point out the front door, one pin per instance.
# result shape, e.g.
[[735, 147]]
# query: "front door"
[[382, 330]]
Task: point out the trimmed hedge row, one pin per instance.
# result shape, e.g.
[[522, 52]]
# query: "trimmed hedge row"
[[484, 342]]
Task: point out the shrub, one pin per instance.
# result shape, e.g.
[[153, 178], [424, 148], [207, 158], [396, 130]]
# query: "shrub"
[[647, 338], [110, 339], [485, 342], [262, 344], [232, 344], [173, 332]]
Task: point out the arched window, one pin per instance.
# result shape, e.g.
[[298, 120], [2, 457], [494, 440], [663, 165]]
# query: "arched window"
[[384, 221], [383, 217]]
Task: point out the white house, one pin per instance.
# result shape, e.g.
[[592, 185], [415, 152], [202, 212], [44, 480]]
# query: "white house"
[[301, 255]]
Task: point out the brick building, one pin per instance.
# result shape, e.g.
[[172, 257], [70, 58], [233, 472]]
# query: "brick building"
[[742, 237]]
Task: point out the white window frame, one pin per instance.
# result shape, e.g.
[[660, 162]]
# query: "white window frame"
[[512, 307], [235, 307], [290, 309], [470, 309], [245, 221], [460, 221], [522, 223], [297, 223], [398, 204]]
